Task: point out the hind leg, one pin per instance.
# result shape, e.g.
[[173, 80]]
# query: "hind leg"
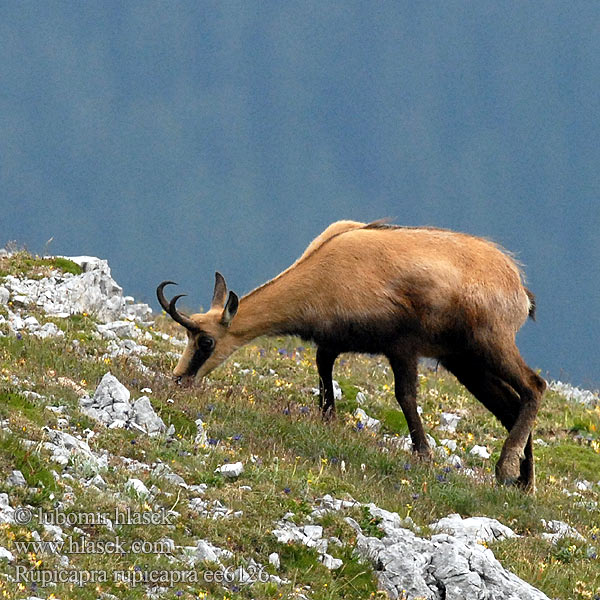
[[512, 369], [501, 400]]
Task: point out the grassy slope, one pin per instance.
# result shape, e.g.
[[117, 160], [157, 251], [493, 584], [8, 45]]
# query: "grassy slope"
[[258, 409]]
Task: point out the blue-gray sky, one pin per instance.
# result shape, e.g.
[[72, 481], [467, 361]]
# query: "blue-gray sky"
[[177, 138]]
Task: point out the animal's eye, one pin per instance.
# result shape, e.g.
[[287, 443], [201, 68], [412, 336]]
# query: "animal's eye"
[[206, 344]]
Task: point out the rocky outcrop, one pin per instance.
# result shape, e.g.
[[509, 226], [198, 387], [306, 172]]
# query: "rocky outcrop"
[[111, 406], [445, 567], [62, 294]]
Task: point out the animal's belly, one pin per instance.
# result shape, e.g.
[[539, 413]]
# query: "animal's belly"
[[370, 337]]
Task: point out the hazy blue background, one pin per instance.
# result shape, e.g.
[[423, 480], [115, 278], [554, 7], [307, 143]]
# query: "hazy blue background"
[[176, 138]]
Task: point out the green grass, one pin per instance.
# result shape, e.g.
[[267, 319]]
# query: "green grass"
[[22, 263]]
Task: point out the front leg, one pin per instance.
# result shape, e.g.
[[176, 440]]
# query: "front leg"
[[404, 367], [325, 360]]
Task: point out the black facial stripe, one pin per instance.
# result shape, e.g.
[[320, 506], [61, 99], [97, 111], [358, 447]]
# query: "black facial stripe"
[[198, 359]]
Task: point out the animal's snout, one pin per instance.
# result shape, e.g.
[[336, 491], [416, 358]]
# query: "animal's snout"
[[183, 380]]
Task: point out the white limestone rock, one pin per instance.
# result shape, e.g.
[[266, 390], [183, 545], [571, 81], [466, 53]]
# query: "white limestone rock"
[[449, 422], [137, 486], [367, 421], [479, 529], [480, 452], [230, 470], [145, 417], [556, 530], [444, 567]]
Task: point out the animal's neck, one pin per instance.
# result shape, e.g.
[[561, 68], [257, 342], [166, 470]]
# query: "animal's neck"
[[263, 311]]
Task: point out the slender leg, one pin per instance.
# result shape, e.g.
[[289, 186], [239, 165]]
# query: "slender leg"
[[405, 380], [325, 360], [500, 399], [512, 369]]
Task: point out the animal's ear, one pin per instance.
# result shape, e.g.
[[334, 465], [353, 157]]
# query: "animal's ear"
[[230, 309], [220, 292]]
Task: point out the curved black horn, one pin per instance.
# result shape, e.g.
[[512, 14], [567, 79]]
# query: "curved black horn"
[[161, 296], [170, 308]]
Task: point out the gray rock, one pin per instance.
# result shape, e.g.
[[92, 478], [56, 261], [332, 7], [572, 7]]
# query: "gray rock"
[[6, 510], [441, 568], [110, 391], [449, 422], [63, 445], [230, 470], [121, 410], [94, 292], [212, 509], [575, 394], [556, 530], [145, 417], [6, 554], [201, 437], [163, 471], [366, 420], [205, 552], [98, 482], [480, 452], [330, 562], [16, 479], [48, 330], [275, 560], [119, 329], [450, 444], [479, 529], [137, 486], [4, 295]]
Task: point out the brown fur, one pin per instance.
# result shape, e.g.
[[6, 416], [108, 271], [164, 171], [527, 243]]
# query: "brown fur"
[[403, 292]]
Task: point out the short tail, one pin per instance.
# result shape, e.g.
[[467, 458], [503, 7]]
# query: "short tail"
[[532, 304]]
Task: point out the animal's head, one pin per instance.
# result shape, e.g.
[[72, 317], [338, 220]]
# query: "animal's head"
[[209, 339]]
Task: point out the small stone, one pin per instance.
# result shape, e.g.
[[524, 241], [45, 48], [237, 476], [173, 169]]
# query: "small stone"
[[366, 420], [454, 461], [361, 398], [313, 532], [137, 486], [450, 444], [275, 560], [230, 470], [6, 554], [449, 422], [98, 482], [110, 391], [146, 418], [16, 479], [206, 552], [330, 562], [480, 452], [557, 530], [583, 485], [201, 437]]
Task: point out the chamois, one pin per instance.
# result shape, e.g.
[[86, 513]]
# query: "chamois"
[[403, 292]]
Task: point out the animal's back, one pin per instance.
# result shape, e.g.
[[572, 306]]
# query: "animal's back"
[[426, 273]]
